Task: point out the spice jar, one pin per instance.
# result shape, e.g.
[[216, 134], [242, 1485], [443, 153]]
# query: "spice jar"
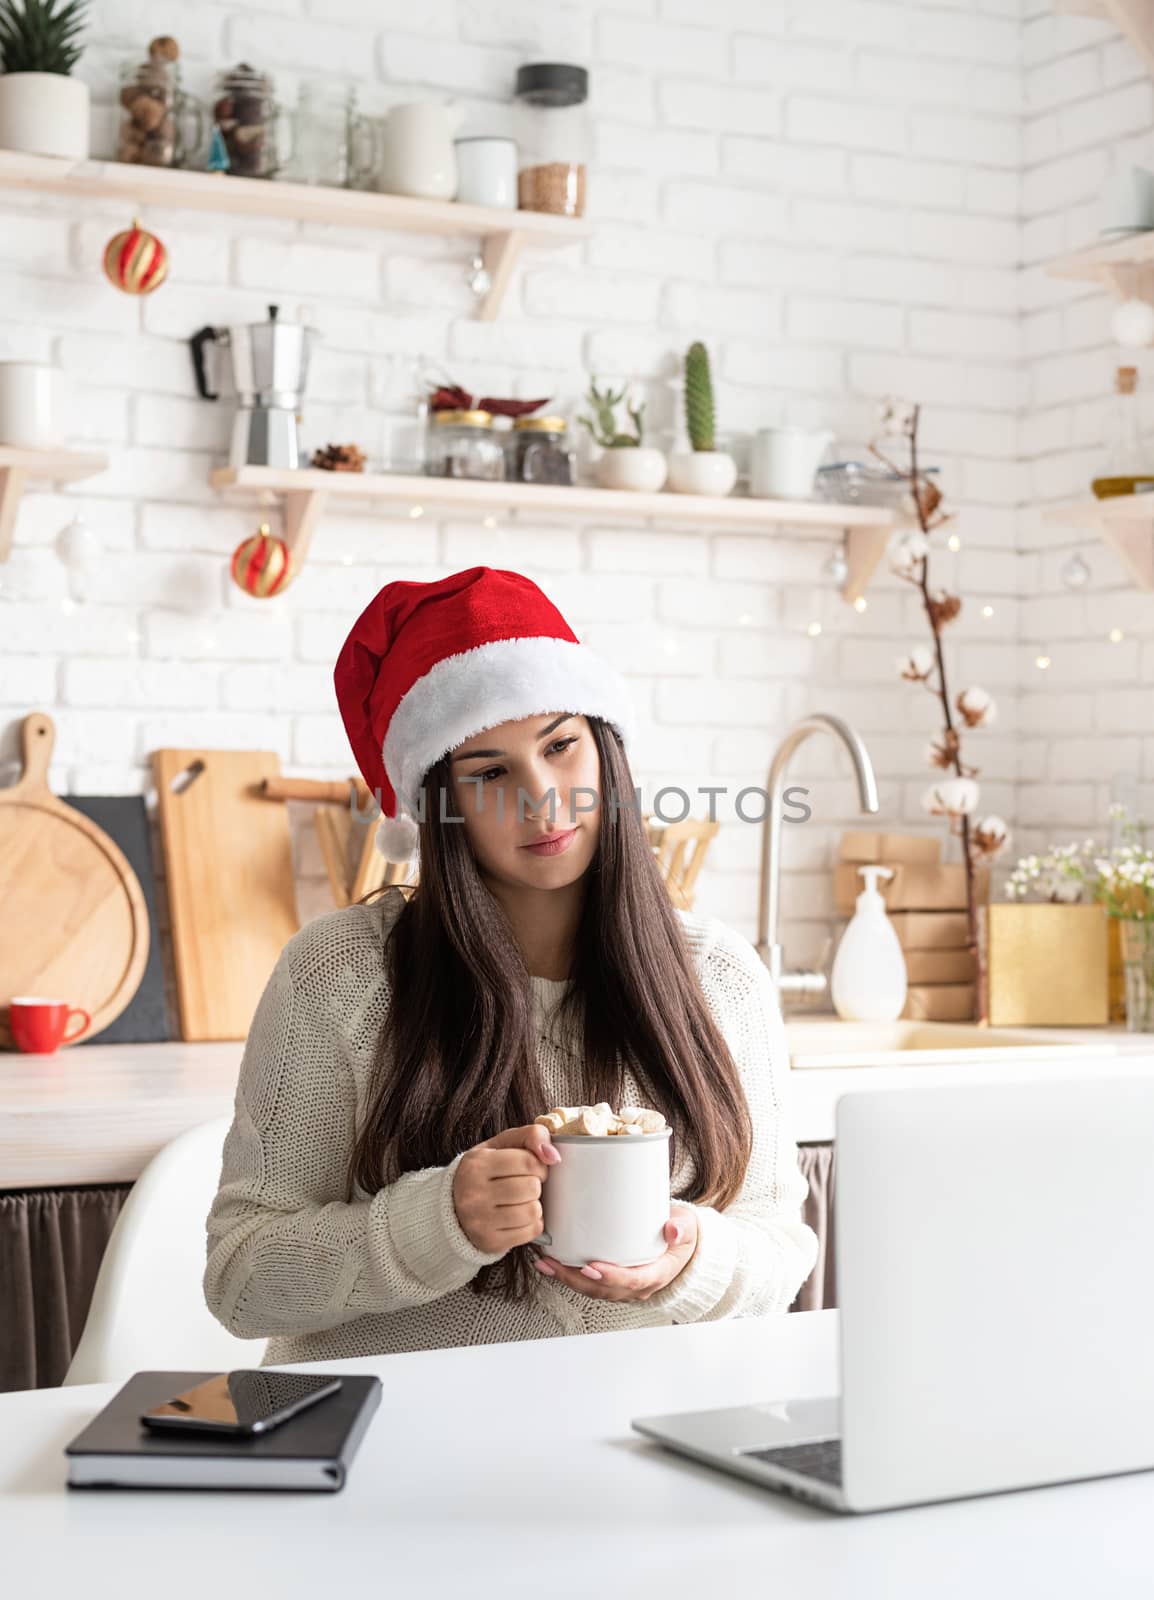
[[463, 445], [246, 113], [540, 451], [552, 137], [160, 126]]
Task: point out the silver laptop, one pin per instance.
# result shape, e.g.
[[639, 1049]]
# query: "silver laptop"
[[995, 1274]]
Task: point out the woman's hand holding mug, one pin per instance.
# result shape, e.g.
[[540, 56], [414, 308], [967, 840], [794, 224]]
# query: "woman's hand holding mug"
[[601, 1280], [497, 1188]]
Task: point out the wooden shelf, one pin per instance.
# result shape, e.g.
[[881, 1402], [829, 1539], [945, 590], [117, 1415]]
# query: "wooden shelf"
[[503, 234], [1125, 265], [304, 495], [18, 466], [1125, 523]]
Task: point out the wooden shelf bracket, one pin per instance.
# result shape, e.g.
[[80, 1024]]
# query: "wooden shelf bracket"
[[12, 481], [19, 467], [864, 549], [1125, 525], [500, 253], [302, 510]]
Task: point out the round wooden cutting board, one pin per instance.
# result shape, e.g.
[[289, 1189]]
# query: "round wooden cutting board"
[[73, 919]]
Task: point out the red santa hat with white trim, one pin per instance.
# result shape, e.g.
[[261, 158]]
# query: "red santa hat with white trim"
[[428, 665]]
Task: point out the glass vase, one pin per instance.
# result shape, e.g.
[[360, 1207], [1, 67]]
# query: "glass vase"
[[1138, 967]]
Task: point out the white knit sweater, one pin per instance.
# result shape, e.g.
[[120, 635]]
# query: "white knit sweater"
[[324, 1278]]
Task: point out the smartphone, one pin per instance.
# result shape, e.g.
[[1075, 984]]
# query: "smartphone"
[[241, 1403]]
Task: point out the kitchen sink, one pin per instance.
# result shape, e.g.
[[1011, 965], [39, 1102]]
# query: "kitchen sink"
[[827, 1042]]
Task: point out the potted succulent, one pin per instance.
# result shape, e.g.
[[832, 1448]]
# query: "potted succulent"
[[43, 110], [624, 463], [702, 469]]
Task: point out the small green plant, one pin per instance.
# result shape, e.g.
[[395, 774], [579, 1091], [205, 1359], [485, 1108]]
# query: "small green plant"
[[602, 425], [699, 397], [41, 35]]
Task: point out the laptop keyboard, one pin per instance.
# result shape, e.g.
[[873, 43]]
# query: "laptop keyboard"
[[820, 1459]]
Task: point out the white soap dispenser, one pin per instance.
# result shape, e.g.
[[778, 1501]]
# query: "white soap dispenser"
[[868, 982]]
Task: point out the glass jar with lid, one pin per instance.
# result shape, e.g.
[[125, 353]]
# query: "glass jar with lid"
[[553, 137], [160, 125], [462, 444], [246, 112], [540, 451]]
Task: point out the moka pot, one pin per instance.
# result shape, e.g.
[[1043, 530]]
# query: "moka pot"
[[269, 368]]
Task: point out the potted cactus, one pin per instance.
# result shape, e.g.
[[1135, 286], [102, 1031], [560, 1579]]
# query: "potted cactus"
[[43, 110], [625, 462], [702, 469]]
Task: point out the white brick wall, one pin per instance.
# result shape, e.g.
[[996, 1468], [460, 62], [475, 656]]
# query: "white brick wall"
[[838, 197], [1089, 110]]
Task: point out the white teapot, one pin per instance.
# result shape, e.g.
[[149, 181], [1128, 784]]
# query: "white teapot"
[[417, 156]]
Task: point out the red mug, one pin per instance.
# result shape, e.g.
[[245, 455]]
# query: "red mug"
[[40, 1026]]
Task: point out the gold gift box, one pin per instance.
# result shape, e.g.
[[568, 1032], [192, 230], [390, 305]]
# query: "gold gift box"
[[1048, 966]]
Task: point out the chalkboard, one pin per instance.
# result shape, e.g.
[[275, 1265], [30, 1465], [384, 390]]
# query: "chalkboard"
[[145, 1018]]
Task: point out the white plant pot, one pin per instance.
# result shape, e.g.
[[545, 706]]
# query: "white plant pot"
[[711, 472], [44, 114], [635, 467]]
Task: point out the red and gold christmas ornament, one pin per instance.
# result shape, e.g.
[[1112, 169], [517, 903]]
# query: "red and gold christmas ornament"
[[262, 566], [135, 260]]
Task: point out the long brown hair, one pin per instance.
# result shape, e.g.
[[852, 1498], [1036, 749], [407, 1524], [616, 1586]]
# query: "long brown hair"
[[461, 1038]]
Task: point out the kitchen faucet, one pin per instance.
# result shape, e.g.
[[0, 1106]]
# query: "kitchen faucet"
[[769, 894]]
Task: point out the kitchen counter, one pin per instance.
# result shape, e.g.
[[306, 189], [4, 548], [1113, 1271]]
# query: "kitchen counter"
[[1041, 1053], [511, 1469], [98, 1114]]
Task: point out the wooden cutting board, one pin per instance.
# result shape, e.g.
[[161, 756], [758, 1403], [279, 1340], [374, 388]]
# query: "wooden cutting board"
[[231, 893], [73, 919]]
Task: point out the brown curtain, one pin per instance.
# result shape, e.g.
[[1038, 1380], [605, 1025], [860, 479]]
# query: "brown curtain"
[[817, 1293], [51, 1244]]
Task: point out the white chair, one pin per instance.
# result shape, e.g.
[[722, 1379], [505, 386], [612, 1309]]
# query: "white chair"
[[148, 1308]]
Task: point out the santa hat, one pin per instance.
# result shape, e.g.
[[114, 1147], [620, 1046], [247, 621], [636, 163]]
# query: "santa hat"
[[427, 665]]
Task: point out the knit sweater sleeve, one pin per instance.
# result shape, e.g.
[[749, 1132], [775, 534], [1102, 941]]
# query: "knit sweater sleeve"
[[752, 1257], [287, 1252]]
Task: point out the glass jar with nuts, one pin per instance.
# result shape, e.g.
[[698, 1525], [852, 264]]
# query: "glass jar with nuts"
[[246, 112], [160, 125]]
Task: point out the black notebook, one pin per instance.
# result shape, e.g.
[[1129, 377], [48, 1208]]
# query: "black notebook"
[[309, 1451]]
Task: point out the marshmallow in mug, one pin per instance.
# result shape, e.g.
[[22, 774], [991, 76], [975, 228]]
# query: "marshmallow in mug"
[[601, 1121]]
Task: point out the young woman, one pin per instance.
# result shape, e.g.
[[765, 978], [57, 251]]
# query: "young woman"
[[382, 1178]]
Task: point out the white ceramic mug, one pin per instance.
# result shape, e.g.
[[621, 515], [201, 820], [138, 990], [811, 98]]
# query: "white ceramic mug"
[[1128, 200], [487, 172], [783, 462], [607, 1199], [31, 405]]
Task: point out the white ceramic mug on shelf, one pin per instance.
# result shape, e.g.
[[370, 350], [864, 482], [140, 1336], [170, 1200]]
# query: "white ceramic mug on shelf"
[[783, 462], [607, 1199], [487, 172], [1128, 200], [32, 405]]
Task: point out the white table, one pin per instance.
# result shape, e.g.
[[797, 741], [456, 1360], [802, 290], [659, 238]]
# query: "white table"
[[511, 1469]]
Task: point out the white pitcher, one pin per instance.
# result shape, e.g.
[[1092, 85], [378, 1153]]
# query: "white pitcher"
[[417, 155], [783, 462]]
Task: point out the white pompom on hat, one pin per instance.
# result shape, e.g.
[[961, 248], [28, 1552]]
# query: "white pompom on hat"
[[428, 665]]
